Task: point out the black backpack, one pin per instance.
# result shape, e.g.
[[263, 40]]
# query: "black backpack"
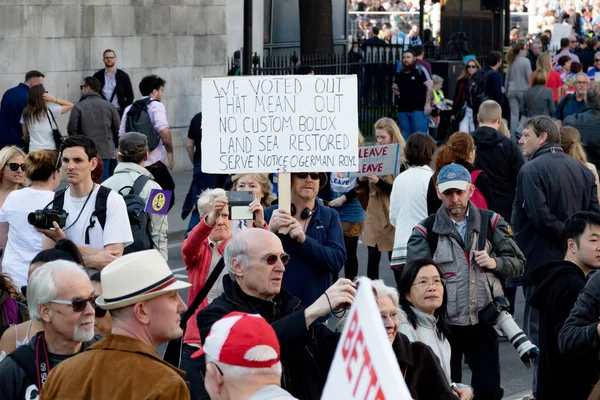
[[475, 92], [141, 226], [138, 120], [99, 208]]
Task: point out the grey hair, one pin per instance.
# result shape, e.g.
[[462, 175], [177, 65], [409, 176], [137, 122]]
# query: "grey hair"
[[543, 123], [592, 96], [42, 284], [584, 75], [237, 248], [207, 199], [382, 291], [236, 372]]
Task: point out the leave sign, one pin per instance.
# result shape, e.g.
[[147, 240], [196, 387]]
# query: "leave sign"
[[292, 123], [379, 160], [364, 366]]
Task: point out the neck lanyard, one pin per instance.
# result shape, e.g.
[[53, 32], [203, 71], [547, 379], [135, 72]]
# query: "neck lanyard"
[[82, 208], [42, 364]]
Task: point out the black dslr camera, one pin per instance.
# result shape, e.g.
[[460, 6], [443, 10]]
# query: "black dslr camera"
[[43, 219]]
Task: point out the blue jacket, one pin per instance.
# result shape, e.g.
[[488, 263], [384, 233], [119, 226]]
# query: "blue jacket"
[[13, 103], [493, 87], [308, 273]]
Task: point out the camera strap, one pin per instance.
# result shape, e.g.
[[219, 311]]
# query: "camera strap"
[[42, 364], [82, 208]]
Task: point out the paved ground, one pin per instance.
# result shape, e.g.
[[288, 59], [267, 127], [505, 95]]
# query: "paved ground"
[[516, 379]]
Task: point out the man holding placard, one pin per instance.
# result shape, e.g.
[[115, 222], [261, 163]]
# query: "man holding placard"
[[312, 235]]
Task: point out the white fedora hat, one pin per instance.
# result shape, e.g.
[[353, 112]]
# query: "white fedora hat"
[[136, 277]]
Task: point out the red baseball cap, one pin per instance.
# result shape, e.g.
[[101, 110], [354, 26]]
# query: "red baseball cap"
[[243, 340]]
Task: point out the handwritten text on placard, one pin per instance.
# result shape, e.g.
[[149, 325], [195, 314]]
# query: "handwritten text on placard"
[[279, 124]]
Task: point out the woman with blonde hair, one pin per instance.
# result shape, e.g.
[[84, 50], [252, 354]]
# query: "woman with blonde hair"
[[263, 196], [538, 99], [12, 171], [379, 233], [18, 237], [460, 149], [570, 141], [554, 81]]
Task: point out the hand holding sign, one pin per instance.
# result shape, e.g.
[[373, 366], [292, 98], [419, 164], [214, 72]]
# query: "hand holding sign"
[[364, 365]]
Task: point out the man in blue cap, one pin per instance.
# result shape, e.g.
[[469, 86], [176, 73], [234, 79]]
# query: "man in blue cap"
[[475, 250]]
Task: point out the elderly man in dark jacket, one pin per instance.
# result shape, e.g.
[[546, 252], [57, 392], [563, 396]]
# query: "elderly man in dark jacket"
[[97, 119], [587, 123], [557, 285], [550, 188], [256, 262]]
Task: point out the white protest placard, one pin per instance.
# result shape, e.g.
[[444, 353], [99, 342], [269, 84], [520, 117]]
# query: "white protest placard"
[[559, 31], [291, 123], [378, 160], [364, 366]]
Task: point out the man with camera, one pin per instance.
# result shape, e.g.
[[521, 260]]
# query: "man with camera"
[[92, 216], [475, 250], [313, 238], [557, 285]]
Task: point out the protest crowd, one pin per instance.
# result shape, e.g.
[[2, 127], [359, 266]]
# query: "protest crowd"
[[508, 200]]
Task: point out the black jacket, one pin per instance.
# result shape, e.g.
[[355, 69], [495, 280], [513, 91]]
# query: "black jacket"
[[586, 56], [123, 88], [587, 124], [482, 183], [501, 159], [306, 354], [551, 187], [532, 59], [557, 285], [421, 370]]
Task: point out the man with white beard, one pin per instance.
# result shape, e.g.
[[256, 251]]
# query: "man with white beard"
[[61, 296]]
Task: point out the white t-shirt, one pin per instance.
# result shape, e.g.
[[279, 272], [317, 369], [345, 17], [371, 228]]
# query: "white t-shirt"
[[24, 242], [40, 132], [116, 229]]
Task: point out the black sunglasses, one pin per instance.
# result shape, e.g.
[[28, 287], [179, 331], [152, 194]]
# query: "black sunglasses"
[[100, 312], [271, 259], [14, 167], [77, 304], [82, 86], [596, 59], [303, 175], [471, 66]]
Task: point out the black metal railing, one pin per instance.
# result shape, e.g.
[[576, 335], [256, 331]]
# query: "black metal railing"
[[374, 66]]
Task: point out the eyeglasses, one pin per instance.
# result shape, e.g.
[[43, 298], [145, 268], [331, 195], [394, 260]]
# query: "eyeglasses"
[[425, 283], [77, 303], [313, 175], [581, 82], [271, 259], [100, 312], [109, 58], [596, 59], [572, 41], [82, 86], [471, 66], [14, 167]]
